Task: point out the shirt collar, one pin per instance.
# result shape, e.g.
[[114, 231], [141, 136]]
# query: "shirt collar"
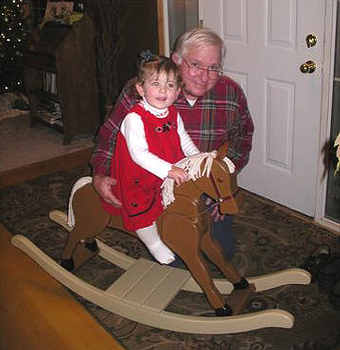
[[182, 98], [160, 113]]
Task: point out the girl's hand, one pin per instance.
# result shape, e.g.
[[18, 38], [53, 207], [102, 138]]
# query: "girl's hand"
[[178, 174]]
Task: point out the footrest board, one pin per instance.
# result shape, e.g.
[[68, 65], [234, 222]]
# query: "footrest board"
[[149, 283]]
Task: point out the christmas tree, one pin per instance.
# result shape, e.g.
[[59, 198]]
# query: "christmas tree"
[[12, 42]]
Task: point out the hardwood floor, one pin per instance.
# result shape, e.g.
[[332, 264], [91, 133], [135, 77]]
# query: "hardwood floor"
[[28, 172]]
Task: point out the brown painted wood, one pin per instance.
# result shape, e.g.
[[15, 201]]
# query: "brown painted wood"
[[239, 299]]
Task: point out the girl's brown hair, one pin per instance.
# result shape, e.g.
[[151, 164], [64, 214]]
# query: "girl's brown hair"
[[156, 65]]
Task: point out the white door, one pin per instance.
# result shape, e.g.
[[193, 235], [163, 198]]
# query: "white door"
[[266, 45]]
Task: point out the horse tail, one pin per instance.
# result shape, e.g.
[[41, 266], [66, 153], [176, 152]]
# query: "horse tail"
[[79, 184]]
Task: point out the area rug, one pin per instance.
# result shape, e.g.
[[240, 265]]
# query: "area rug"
[[268, 239]]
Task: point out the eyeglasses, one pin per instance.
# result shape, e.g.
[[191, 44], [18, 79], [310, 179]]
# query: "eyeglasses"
[[196, 68]]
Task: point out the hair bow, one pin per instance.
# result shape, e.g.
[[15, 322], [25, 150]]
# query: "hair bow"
[[146, 56]]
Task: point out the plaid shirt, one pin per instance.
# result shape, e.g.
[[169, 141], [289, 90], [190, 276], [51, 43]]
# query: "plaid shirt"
[[220, 116]]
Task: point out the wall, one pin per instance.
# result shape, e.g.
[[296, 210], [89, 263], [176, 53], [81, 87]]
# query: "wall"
[[183, 15]]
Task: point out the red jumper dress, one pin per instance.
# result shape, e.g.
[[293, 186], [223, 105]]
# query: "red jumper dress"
[[138, 189]]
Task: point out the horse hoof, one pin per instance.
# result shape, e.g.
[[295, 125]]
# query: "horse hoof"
[[243, 284], [67, 264], [92, 246], [226, 310]]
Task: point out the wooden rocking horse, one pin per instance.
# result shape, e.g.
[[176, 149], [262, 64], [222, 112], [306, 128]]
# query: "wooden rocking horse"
[[146, 288]]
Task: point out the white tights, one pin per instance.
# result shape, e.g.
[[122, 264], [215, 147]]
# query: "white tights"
[[150, 237]]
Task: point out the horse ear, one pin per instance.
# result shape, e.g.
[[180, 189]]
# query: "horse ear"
[[222, 151]]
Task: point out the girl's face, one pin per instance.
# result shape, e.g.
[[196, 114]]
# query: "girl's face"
[[159, 90]]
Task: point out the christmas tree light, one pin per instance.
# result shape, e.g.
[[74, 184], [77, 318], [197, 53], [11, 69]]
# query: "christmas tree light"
[[12, 42]]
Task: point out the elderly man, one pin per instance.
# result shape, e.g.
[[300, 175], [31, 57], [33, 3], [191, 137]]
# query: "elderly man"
[[213, 108]]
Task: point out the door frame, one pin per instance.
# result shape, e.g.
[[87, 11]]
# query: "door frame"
[[163, 27], [326, 113]]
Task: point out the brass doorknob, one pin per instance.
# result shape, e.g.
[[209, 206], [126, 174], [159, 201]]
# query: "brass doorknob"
[[308, 67], [311, 40]]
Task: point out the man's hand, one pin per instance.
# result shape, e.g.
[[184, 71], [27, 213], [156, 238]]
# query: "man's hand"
[[214, 212], [102, 185], [178, 174], [216, 215]]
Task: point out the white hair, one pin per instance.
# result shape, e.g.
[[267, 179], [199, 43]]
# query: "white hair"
[[198, 37]]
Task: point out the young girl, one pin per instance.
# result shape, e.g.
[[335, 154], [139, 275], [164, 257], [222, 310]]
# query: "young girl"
[[151, 140]]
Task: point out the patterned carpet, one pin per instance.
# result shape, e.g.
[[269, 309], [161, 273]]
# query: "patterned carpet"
[[268, 239]]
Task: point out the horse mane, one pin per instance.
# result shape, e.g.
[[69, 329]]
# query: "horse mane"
[[192, 166]]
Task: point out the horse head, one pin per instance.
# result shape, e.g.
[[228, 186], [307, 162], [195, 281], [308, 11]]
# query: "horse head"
[[225, 184], [222, 186]]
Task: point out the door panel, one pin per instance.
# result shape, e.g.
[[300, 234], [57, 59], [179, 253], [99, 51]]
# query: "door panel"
[[266, 45]]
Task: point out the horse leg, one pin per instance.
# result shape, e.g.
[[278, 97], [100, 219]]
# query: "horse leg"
[[90, 220], [186, 243], [214, 252]]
